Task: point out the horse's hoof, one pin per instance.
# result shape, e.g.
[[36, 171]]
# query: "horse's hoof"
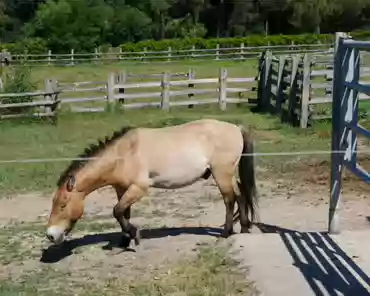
[[226, 233], [116, 251], [246, 229], [134, 233], [137, 237], [125, 242]]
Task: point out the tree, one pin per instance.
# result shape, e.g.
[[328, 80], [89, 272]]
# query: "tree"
[[129, 25], [309, 14], [67, 24]]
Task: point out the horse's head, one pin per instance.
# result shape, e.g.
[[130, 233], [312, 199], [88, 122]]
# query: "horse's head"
[[67, 208]]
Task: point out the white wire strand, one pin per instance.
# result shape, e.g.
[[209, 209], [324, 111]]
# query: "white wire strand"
[[285, 153]]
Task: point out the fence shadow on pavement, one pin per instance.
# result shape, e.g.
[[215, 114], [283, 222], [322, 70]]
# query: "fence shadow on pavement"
[[326, 267]]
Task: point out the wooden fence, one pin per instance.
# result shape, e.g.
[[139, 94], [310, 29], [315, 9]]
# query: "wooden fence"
[[167, 90], [24, 105], [298, 88], [113, 55]]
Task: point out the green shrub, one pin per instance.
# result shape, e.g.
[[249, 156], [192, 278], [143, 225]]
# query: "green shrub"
[[38, 45], [252, 41], [17, 80], [29, 45]]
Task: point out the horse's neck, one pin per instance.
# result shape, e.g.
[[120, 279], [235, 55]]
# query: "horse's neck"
[[89, 178]]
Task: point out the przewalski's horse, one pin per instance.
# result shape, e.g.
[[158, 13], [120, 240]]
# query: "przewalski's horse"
[[135, 159]]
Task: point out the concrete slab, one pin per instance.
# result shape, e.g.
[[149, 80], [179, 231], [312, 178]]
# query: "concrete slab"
[[285, 262]]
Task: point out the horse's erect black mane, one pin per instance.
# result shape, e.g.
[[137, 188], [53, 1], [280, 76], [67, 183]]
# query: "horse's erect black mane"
[[90, 151]]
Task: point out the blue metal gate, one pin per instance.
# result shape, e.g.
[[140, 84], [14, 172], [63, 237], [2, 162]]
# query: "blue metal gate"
[[345, 127]]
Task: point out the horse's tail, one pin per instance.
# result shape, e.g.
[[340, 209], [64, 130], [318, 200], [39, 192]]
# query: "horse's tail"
[[247, 182]]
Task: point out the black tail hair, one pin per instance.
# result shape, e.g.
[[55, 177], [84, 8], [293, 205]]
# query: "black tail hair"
[[247, 183]]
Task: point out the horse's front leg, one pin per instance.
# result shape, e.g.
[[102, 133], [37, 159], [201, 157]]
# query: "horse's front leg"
[[121, 212], [120, 192]]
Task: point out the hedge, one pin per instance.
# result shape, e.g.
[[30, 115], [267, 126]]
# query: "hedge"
[[253, 40], [31, 45], [39, 46]]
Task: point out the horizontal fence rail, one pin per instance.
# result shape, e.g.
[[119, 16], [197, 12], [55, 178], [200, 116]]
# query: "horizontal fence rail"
[[298, 88], [116, 54], [123, 91]]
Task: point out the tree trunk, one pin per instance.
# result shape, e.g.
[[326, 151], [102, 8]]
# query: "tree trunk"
[[162, 27]]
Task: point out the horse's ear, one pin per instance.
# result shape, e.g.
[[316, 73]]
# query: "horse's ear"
[[70, 183]]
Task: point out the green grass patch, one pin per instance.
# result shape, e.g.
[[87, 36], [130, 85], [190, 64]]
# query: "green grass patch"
[[91, 72], [212, 273], [74, 132], [26, 139]]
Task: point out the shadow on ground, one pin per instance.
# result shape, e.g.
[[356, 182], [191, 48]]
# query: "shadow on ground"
[[54, 254], [325, 266]]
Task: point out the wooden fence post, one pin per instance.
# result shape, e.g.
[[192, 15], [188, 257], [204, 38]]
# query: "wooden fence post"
[[49, 57], [264, 101], [122, 79], [120, 53], [72, 56], [259, 79], [25, 55], [110, 88], [96, 55], [169, 54], [242, 51], [222, 94], [293, 88], [143, 59], [306, 88], [165, 104], [280, 84], [192, 52], [50, 89], [217, 51], [191, 76]]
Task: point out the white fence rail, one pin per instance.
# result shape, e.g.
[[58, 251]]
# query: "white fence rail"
[[165, 92], [116, 54]]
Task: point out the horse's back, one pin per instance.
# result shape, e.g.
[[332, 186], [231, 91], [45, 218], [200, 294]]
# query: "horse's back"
[[211, 134]]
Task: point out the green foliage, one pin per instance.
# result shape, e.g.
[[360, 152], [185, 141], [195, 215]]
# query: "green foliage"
[[129, 24], [84, 24], [38, 45], [253, 40], [17, 80], [31, 45], [57, 22]]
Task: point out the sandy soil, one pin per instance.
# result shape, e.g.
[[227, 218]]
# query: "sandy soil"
[[174, 223]]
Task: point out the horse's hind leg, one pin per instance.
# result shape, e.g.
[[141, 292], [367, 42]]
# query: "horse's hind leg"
[[223, 177], [245, 223]]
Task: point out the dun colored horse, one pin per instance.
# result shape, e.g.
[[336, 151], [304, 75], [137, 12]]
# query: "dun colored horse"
[[135, 159]]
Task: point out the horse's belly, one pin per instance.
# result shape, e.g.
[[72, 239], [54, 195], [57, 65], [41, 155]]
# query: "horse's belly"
[[182, 172]]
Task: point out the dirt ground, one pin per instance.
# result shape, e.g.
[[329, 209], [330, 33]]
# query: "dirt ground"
[[174, 224]]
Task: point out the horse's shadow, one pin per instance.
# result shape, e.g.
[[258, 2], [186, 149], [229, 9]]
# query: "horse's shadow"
[[55, 254]]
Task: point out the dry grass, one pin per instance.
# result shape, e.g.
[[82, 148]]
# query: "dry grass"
[[208, 272]]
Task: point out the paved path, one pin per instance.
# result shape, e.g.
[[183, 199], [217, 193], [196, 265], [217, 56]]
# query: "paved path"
[[292, 263]]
